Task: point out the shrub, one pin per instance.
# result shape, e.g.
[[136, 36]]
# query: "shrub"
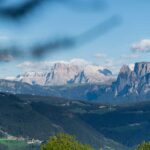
[[144, 146], [64, 142]]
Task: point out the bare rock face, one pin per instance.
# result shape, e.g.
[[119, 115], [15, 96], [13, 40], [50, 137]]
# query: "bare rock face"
[[63, 74], [93, 74], [32, 77], [130, 85], [142, 68], [123, 78], [136, 82]]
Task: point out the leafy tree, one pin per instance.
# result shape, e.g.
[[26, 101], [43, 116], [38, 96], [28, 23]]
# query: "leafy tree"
[[144, 146], [64, 142]]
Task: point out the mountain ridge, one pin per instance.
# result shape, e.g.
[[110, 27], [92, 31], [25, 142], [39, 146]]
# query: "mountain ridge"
[[63, 74], [130, 86]]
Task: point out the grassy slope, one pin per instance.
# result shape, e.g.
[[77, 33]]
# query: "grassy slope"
[[40, 117], [129, 125], [15, 145]]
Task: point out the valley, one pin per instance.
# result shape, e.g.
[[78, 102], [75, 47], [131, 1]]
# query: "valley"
[[93, 123], [111, 115]]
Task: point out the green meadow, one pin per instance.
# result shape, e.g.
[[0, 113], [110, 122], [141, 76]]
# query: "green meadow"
[[6, 144]]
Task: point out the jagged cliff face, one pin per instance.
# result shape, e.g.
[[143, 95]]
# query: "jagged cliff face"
[[131, 85], [136, 82], [63, 74], [60, 74], [93, 74], [141, 69]]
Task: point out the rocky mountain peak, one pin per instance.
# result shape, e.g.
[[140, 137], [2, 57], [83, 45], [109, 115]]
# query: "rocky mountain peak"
[[61, 73], [133, 82], [142, 68], [125, 69]]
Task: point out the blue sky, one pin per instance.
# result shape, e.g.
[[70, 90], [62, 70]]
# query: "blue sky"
[[56, 21]]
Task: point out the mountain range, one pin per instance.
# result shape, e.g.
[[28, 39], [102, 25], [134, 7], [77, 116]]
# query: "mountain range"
[[61, 73], [32, 108], [89, 82], [136, 82]]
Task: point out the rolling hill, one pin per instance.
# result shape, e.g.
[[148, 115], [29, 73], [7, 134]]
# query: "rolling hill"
[[40, 117]]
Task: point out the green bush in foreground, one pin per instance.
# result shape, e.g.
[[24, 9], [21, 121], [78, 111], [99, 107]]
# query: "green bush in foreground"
[[64, 142], [144, 146]]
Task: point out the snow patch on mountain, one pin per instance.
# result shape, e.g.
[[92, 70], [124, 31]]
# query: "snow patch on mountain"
[[76, 71]]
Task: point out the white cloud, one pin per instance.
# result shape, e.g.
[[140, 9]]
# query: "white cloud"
[[46, 65], [78, 61], [110, 63], [34, 66], [100, 56], [113, 64], [130, 56], [141, 46], [107, 62]]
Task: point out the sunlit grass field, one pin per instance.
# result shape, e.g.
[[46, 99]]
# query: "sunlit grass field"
[[6, 144]]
